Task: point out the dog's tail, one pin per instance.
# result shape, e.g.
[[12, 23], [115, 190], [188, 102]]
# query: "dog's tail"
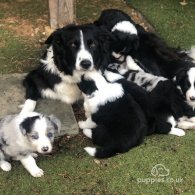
[[191, 53], [105, 152]]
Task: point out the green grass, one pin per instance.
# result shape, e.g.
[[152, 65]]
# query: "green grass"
[[174, 22], [70, 170]]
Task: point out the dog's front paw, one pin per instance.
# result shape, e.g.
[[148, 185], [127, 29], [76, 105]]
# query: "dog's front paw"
[[37, 172], [82, 124], [6, 166], [34, 155]]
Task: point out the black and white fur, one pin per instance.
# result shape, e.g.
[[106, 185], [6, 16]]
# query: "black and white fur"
[[119, 114], [152, 53], [162, 91], [124, 30], [23, 134], [71, 51], [114, 120]]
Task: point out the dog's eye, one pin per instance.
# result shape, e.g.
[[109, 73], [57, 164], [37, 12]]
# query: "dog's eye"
[[92, 45], [34, 136], [75, 44], [50, 134]]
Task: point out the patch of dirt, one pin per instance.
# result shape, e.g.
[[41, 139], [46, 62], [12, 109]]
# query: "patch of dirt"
[[24, 28], [4, 5], [97, 6]]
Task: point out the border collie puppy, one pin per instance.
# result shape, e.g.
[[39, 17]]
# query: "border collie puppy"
[[162, 92], [119, 114], [71, 51], [22, 135], [114, 120], [123, 28]]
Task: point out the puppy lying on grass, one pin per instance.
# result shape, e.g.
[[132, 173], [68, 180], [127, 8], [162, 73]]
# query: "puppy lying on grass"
[[23, 134]]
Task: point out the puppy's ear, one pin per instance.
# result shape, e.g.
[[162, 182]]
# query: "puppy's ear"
[[180, 75], [27, 124], [105, 38], [55, 122], [87, 86], [133, 41]]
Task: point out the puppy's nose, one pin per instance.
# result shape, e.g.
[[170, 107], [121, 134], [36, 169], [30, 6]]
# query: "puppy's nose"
[[45, 148], [192, 98], [85, 64]]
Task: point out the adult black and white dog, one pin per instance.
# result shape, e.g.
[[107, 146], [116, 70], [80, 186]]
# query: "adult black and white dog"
[[23, 134], [152, 53], [71, 51], [119, 114], [163, 92]]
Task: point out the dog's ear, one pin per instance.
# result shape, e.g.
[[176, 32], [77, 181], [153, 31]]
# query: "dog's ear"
[[180, 75], [55, 122], [27, 124], [56, 35]]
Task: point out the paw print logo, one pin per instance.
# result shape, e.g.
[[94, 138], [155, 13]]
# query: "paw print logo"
[[160, 170]]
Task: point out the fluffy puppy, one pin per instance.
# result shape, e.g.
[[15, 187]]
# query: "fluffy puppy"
[[163, 92], [71, 51], [123, 28], [23, 134], [114, 120]]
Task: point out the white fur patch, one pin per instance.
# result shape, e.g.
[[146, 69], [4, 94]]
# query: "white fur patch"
[[191, 91], [125, 26], [87, 132], [186, 125], [88, 124], [177, 131], [5, 166], [30, 165], [90, 150], [49, 61], [83, 54], [131, 65], [29, 106], [63, 91], [191, 53], [107, 92], [174, 130], [112, 77]]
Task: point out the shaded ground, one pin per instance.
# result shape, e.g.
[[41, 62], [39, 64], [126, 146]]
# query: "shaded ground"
[[23, 23]]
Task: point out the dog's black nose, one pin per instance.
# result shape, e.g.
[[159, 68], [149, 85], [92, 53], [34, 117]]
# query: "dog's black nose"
[[45, 148], [85, 64], [192, 98]]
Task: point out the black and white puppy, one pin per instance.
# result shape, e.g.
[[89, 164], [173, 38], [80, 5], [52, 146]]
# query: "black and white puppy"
[[119, 114], [23, 134], [163, 92], [71, 51], [125, 40], [114, 120]]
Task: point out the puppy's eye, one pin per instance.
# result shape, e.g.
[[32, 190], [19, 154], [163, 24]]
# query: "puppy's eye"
[[34, 136], [92, 45], [73, 45], [50, 134]]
